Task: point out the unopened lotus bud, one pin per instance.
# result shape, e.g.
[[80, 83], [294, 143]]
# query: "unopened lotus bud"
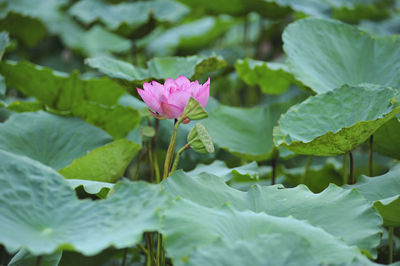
[[194, 110], [199, 140]]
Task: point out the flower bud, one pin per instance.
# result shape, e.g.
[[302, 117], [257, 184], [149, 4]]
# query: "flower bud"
[[199, 139], [194, 110]]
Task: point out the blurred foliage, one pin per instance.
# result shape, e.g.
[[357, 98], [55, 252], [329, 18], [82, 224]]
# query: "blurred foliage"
[[85, 59]]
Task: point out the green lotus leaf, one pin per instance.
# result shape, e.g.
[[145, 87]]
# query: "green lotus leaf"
[[386, 139], [104, 164], [48, 15], [219, 168], [22, 107], [349, 10], [318, 209], [189, 36], [335, 122], [132, 14], [41, 212], [50, 139], [29, 31], [245, 132], [273, 78], [191, 230], [384, 192], [157, 68], [342, 55], [94, 100]]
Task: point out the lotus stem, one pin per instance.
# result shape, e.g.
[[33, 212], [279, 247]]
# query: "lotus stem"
[[351, 177], [371, 151], [171, 148], [39, 258], [124, 257], [273, 179], [390, 240], [306, 168], [177, 157]]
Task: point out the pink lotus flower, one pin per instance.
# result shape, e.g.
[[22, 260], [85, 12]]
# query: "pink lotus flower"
[[169, 100]]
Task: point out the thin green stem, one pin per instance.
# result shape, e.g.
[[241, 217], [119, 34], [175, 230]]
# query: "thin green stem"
[[345, 170], [125, 252], [306, 168], [149, 244], [177, 157], [371, 151], [273, 179], [143, 249], [160, 251], [351, 176], [39, 258], [171, 148], [390, 240], [154, 147], [151, 162]]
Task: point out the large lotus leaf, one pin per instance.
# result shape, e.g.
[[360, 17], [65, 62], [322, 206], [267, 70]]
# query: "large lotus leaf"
[[189, 36], [132, 14], [219, 168], [245, 132], [326, 54], [386, 140], [335, 122], [41, 212], [384, 191], [157, 68], [95, 100], [53, 140], [359, 224], [104, 164], [24, 258], [91, 42], [188, 226], [273, 78], [264, 249]]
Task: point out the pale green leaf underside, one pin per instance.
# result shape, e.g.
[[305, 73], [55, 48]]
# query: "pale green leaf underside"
[[100, 189], [384, 191], [317, 209], [273, 78], [335, 122], [104, 164], [326, 54], [50, 139], [41, 213], [94, 100], [157, 68]]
